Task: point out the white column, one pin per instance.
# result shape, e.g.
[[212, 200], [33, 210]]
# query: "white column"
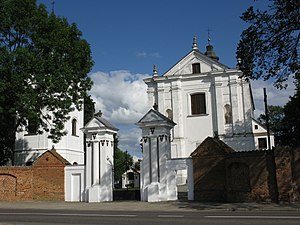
[[88, 164], [178, 118], [146, 161], [154, 164], [96, 163]]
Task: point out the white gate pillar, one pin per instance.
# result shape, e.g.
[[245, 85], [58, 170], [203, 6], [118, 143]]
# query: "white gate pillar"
[[155, 141], [99, 160]]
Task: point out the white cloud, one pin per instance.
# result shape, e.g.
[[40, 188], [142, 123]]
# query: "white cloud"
[[274, 96], [120, 95], [144, 54], [122, 98], [130, 140], [155, 55]]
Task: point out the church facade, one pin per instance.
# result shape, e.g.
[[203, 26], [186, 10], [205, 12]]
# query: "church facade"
[[204, 98], [29, 146]]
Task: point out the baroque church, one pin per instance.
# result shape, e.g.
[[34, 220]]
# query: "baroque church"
[[206, 98]]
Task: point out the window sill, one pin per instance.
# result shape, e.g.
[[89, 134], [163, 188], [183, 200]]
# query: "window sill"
[[74, 135], [30, 134], [197, 115]]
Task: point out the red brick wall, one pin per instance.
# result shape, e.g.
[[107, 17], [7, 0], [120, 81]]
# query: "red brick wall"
[[44, 180], [251, 179], [48, 178], [209, 178], [288, 174], [15, 183], [234, 177]]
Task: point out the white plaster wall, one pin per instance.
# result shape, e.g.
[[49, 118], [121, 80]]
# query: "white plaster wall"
[[72, 186], [174, 93], [29, 147], [261, 132]]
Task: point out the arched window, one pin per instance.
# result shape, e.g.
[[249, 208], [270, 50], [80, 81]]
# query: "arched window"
[[74, 127]]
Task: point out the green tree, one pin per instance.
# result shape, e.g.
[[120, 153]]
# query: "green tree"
[[44, 64], [269, 47], [292, 119], [89, 109], [276, 117], [122, 161]]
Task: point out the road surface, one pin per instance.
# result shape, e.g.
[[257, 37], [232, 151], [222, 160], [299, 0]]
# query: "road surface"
[[67, 217]]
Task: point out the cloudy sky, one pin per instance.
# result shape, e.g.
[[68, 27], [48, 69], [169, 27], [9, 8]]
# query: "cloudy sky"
[[128, 37]]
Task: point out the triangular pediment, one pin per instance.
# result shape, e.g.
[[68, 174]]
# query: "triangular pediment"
[[184, 66], [99, 122], [153, 116]]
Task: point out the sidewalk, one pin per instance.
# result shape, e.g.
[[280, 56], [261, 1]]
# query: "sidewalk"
[[146, 206]]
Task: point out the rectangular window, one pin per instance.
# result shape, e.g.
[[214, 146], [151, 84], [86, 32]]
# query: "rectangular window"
[[262, 143], [196, 68], [32, 127], [198, 104]]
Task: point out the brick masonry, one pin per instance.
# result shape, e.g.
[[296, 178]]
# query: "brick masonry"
[[222, 175], [44, 180]]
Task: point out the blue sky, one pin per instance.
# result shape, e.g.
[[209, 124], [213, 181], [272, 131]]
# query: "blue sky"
[[128, 37]]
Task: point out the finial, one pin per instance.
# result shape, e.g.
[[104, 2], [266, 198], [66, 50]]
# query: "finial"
[[155, 106], [239, 61], [208, 36], [155, 74], [195, 47], [98, 114]]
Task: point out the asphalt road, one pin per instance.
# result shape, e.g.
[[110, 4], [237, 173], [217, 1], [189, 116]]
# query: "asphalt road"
[[54, 217]]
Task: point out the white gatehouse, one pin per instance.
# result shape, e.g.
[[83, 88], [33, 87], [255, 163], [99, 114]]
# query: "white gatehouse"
[[158, 170], [93, 182]]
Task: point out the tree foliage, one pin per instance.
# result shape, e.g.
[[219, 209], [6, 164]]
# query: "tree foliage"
[[269, 47], [292, 120], [276, 118], [285, 122], [43, 71], [122, 161], [89, 109]]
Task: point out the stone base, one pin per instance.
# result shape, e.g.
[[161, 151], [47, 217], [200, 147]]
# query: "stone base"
[[157, 192], [97, 193]]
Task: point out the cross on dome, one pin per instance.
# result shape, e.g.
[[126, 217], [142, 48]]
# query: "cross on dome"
[[195, 47]]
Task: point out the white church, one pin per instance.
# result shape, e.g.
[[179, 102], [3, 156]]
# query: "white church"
[[206, 98], [198, 97]]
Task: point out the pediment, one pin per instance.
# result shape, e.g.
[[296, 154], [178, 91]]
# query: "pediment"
[[184, 66], [99, 122], [153, 116]]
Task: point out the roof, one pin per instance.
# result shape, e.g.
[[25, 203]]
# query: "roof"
[[55, 154], [262, 125], [98, 122], [155, 116], [202, 56], [105, 123], [212, 146]]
